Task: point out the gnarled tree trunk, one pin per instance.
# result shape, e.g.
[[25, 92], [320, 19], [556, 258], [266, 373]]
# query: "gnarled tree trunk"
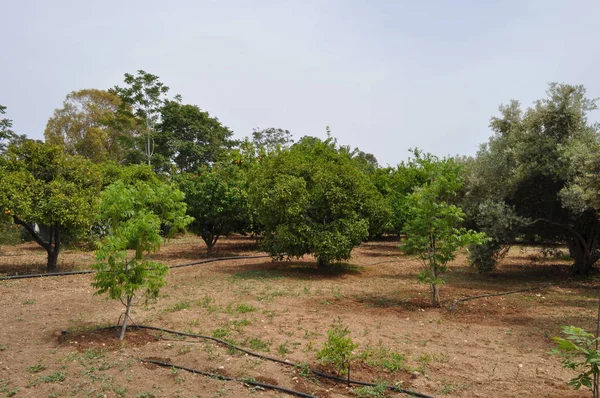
[[52, 246]]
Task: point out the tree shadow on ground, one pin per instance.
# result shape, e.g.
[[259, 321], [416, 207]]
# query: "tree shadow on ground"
[[290, 269]]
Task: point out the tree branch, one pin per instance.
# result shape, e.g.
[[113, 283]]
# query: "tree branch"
[[34, 234]]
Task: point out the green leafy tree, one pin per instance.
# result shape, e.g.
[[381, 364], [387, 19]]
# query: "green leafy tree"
[[272, 139], [7, 134], [433, 226], [190, 138], [537, 163], [146, 96], [312, 199], [134, 214], [217, 199], [90, 124], [41, 184], [579, 351]]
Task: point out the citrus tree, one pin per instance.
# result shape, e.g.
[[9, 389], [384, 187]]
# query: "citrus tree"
[[40, 184]]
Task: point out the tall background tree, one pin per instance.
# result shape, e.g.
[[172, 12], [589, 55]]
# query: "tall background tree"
[[41, 184], [90, 124], [145, 95], [190, 138]]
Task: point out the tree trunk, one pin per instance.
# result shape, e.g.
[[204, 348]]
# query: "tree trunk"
[[584, 259], [209, 248], [127, 308], [322, 263], [435, 295], [52, 260], [52, 247]]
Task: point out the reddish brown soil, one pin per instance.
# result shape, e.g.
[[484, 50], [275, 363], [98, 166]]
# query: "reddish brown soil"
[[491, 347]]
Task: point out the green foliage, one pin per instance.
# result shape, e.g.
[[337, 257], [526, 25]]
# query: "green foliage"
[[271, 139], [579, 351], [337, 350], [382, 357], [134, 214], [7, 135], [217, 199], [143, 97], [541, 163], [190, 138], [311, 199], [90, 124], [501, 225], [377, 391], [433, 224], [41, 184]]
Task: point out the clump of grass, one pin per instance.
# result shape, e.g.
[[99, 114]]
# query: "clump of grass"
[[244, 308], [377, 391], [220, 333], [36, 368], [382, 357], [184, 305], [54, 377], [257, 344]]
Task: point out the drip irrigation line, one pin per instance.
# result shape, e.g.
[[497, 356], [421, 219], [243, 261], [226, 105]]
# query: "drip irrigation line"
[[287, 363], [227, 378], [454, 304], [89, 271]]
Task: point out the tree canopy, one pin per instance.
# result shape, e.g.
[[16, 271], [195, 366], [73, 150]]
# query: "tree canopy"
[[40, 184], [90, 124], [539, 163], [312, 199]]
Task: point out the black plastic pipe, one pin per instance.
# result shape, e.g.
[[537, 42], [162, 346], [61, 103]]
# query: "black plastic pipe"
[[314, 371], [222, 377], [66, 273]]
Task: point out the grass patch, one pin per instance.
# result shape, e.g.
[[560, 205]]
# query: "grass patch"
[[184, 305], [55, 377], [257, 344], [36, 368], [382, 358]]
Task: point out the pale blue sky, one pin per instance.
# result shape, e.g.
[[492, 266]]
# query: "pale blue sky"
[[384, 75]]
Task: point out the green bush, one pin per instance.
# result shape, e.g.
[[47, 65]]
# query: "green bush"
[[337, 350]]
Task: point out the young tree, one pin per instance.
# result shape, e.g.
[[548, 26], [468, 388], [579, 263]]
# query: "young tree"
[[134, 214], [145, 94], [433, 225], [217, 198], [312, 199], [90, 124], [40, 184]]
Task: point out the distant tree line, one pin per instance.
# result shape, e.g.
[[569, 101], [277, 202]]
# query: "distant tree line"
[[535, 181]]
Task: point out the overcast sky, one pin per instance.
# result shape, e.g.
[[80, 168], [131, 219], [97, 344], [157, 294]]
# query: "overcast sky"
[[384, 75]]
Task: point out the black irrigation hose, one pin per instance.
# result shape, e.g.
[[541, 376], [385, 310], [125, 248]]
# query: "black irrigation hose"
[[222, 377], [315, 372], [210, 260]]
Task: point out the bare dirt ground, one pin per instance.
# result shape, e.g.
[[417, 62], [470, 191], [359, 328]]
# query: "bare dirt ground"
[[491, 347]]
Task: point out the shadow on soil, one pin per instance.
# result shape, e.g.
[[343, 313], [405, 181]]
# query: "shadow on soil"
[[289, 269]]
